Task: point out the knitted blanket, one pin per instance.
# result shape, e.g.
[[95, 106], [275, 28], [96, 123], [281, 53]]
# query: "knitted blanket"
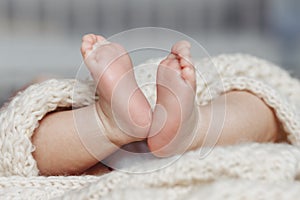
[[244, 171]]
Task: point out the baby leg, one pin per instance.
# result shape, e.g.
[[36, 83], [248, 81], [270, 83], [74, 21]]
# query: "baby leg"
[[59, 148], [122, 109], [247, 119]]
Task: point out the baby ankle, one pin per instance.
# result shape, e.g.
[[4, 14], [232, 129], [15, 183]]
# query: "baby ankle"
[[112, 131], [92, 133]]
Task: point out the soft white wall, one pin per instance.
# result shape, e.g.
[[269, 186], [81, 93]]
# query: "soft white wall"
[[43, 37]]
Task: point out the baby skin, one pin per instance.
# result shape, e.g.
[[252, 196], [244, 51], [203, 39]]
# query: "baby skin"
[[177, 124]]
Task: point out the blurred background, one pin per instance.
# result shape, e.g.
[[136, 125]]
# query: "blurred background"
[[43, 36]]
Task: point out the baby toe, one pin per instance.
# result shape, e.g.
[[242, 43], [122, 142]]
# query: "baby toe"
[[100, 38], [91, 38], [188, 74], [186, 62], [85, 49], [178, 46]]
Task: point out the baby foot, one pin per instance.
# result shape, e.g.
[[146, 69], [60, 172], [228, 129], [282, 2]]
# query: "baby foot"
[[122, 107], [175, 113]]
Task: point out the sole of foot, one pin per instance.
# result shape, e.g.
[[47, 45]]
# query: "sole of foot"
[[122, 107], [174, 115]]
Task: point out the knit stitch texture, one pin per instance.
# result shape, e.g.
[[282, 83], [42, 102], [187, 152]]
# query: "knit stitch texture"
[[245, 171]]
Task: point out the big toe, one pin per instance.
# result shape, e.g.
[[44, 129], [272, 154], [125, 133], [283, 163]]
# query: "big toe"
[[181, 47], [188, 71], [188, 74], [88, 43]]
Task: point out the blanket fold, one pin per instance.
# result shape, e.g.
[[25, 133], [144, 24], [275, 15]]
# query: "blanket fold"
[[242, 171]]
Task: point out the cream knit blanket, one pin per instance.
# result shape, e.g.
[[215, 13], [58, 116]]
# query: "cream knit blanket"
[[245, 171]]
